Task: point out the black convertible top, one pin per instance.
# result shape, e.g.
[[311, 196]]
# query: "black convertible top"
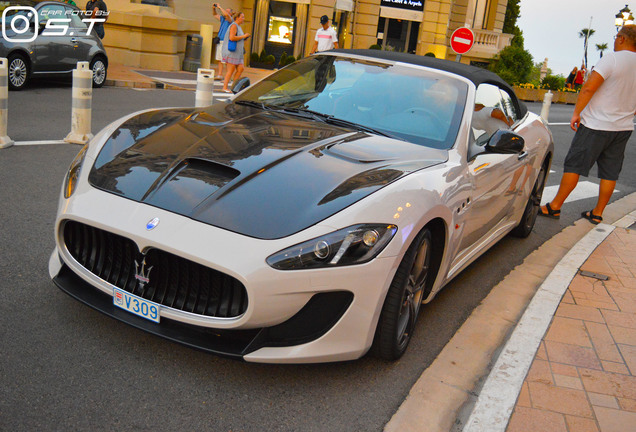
[[473, 73]]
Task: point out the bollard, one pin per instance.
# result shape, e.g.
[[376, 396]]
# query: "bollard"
[[82, 100], [207, 32], [205, 88], [5, 141], [545, 109]]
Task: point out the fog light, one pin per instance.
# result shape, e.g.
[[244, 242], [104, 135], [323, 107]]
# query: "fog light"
[[321, 250], [370, 238]]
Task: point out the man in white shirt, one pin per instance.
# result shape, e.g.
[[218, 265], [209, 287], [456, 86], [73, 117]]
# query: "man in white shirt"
[[603, 120], [326, 37]]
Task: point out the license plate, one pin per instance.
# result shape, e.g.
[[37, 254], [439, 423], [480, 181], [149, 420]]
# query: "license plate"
[[137, 305]]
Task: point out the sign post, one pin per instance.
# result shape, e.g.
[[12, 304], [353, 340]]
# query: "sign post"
[[462, 41]]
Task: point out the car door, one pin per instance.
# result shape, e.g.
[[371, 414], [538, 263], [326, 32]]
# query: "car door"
[[496, 178], [53, 51]]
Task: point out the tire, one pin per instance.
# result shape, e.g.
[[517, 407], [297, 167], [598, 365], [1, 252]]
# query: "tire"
[[100, 70], [404, 298], [529, 217], [19, 71]]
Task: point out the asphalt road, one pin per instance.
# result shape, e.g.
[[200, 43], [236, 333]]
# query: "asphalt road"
[[64, 366]]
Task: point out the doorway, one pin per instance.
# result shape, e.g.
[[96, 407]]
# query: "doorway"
[[398, 34]]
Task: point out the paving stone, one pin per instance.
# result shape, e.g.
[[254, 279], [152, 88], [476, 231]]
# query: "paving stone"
[[629, 354], [614, 367], [568, 382], [573, 355], [627, 404], [603, 342], [524, 397], [598, 265], [618, 385], [596, 304], [540, 372], [533, 420], [567, 297], [621, 319], [558, 399], [567, 330], [580, 424], [599, 399], [585, 313], [541, 353], [623, 335], [562, 369], [611, 420]]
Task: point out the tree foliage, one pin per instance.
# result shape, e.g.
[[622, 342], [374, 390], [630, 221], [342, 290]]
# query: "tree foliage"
[[513, 11], [601, 48], [513, 64]]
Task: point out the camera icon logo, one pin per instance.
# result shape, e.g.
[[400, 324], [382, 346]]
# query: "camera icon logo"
[[19, 24]]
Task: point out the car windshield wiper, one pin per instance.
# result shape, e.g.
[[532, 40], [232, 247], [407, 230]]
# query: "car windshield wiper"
[[303, 112], [254, 104], [341, 122]]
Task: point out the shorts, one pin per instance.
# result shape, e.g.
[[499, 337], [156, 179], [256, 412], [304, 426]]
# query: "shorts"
[[219, 55], [605, 148]]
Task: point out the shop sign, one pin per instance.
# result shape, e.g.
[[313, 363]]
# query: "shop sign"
[[413, 5]]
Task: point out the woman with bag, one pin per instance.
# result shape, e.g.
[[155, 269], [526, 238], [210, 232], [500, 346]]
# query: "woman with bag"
[[233, 50]]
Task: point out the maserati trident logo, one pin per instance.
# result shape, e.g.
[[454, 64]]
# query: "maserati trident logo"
[[141, 274], [152, 224]]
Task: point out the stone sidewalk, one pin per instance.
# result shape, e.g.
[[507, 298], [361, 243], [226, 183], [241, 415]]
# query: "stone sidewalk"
[[583, 378]]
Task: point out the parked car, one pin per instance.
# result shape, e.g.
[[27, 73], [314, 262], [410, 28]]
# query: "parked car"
[[307, 219], [33, 50]]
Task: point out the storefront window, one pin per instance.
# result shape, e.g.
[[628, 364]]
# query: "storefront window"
[[281, 30]]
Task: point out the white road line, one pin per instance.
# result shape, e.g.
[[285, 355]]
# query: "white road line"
[[176, 81], [498, 396], [558, 124], [46, 142], [583, 190]]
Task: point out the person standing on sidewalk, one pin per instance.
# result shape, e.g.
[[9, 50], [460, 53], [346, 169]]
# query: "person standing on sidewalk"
[[603, 120], [98, 10], [225, 18], [326, 37], [233, 53]]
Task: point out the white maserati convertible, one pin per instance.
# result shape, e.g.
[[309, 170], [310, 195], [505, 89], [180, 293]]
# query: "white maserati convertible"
[[308, 218]]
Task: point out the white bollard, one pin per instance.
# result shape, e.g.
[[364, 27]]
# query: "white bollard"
[[205, 88], [545, 109], [82, 101], [5, 141]]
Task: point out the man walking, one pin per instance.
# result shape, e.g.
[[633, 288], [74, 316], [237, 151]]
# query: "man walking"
[[326, 37], [603, 120]]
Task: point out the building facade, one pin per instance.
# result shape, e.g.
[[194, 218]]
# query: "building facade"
[[289, 26]]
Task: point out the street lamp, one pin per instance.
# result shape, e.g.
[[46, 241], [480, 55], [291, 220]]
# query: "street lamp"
[[623, 17]]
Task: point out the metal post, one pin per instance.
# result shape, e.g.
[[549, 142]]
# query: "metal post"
[[205, 88], [82, 104], [545, 109], [5, 141]]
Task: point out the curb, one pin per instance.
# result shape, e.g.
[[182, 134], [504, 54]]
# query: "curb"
[[142, 85], [443, 397]]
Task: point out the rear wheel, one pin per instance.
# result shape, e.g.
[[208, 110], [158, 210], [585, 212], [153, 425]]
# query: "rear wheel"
[[402, 305], [18, 71], [98, 66], [529, 217]]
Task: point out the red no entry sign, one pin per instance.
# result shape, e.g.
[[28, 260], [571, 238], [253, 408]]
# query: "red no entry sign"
[[462, 40]]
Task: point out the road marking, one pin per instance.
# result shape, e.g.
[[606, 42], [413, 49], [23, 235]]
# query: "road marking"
[[29, 143], [558, 124], [583, 190], [175, 81], [499, 394]]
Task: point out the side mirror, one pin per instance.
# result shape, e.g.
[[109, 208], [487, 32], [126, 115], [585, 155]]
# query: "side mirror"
[[241, 85], [505, 142]]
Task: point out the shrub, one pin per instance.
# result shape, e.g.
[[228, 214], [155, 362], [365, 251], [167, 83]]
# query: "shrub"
[[429, 54], [513, 64], [269, 59], [263, 56], [553, 82], [375, 47], [254, 57], [283, 59]]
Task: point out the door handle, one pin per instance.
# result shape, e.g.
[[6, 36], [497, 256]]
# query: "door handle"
[[522, 155]]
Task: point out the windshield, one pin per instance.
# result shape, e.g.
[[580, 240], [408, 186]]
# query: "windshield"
[[414, 104]]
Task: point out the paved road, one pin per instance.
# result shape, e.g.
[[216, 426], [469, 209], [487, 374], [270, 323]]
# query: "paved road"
[[64, 366]]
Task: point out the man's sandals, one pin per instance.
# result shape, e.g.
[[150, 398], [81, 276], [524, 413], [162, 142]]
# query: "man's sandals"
[[550, 212], [592, 217]]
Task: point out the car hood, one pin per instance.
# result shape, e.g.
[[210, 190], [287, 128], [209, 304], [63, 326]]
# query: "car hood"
[[264, 174]]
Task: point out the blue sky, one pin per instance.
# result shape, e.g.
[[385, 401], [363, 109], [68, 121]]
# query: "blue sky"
[[550, 29]]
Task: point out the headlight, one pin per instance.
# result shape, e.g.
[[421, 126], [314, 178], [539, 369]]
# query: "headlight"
[[356, 244], [70, 182]]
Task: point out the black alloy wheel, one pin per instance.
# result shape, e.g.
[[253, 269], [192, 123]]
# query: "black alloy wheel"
[[404, 299], [529, 217]]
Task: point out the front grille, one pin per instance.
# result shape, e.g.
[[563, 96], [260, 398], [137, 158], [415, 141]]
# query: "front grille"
[[174, 282]]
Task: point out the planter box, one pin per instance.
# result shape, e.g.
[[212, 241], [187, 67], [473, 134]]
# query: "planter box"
[[537, 95]]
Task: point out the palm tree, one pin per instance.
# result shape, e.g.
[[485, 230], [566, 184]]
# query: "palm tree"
[[585, 34], [601, 48]]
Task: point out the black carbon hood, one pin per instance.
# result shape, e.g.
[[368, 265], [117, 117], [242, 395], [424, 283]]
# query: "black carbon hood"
[[264, 174]]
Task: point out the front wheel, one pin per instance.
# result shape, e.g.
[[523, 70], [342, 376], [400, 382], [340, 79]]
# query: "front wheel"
[[402, 305], [529, 217], [98, 66]]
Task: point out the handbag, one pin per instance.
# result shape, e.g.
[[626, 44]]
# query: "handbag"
[[231, 45]]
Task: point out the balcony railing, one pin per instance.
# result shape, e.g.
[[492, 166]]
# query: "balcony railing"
[[488, 43]]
